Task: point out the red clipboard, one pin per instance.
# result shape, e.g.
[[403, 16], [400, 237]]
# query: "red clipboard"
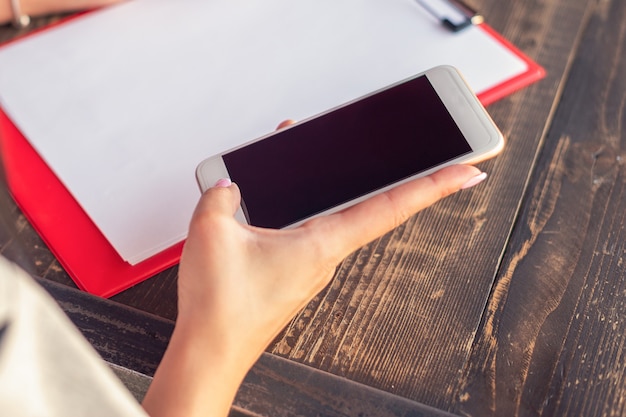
[[76, 241], [534, 72]]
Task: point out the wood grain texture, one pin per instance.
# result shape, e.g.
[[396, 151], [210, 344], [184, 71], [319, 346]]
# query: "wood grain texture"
[[416, 313], [553, 338], [135, 341], [402, 313]]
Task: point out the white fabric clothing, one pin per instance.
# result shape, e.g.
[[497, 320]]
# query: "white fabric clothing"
[[47, 368]]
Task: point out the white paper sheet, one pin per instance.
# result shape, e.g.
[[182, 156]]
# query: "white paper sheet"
[[123, 103]]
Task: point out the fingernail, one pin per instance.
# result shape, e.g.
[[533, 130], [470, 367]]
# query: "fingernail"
[[223, 183], [474, 181]]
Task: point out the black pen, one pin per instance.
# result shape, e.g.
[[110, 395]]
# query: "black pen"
[[453, 14]]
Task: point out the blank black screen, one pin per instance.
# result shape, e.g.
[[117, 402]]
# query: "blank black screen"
[[345, 154]]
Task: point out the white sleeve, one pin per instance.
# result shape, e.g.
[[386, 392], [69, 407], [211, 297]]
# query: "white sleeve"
[[47, 368]]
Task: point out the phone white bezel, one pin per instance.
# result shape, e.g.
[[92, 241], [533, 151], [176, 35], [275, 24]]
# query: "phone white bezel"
[[471, 117]]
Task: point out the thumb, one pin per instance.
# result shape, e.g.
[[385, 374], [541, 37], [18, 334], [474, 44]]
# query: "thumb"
[[222, 199]]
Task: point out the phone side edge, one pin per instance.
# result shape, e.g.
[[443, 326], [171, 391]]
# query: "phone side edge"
[[208, 172], [469, 114]]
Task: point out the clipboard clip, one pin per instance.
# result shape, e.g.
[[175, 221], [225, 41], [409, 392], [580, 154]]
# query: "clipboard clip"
[[455, 15]]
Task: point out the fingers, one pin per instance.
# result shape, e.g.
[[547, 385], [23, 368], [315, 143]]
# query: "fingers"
[[223, 198], [364, 222]]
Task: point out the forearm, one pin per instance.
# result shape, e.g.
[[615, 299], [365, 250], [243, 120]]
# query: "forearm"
[[6, 13], [44, 7], [27, 7]]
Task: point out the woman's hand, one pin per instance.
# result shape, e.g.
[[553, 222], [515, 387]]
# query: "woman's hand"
[[240, 285]]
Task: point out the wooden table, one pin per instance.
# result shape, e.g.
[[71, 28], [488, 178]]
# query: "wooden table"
[[508, 299]]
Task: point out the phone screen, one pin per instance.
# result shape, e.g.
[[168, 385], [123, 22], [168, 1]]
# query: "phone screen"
[[344, 154]]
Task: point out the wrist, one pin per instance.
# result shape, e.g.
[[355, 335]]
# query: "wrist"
[[217, 346], [199, 375]]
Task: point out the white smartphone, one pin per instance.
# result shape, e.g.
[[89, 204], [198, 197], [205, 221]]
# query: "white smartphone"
[[331, 161]]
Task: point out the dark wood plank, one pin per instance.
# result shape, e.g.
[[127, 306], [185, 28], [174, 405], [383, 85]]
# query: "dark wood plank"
[[274, 387], [402, 313], [122, 335], [553, 338]]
